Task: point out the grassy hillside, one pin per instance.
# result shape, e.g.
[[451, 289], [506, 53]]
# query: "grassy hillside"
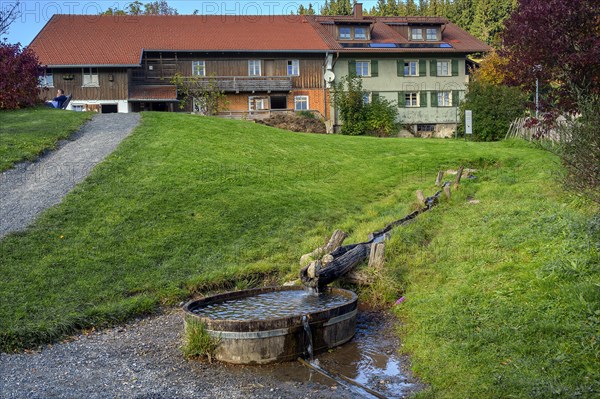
[[190, 203], [26, 133]]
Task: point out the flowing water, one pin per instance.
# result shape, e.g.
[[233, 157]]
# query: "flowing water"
[[272, 305], [308, 334], [370, 359]]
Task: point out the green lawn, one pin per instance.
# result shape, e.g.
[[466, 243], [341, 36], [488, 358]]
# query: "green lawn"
[[26, 133], [188, 204]]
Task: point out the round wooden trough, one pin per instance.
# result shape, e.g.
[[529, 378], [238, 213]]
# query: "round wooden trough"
[[266, 340]]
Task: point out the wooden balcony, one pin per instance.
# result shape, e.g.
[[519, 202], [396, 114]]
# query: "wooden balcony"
[[228, 84]]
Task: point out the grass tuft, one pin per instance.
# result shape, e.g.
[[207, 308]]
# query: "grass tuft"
[[198, 344]]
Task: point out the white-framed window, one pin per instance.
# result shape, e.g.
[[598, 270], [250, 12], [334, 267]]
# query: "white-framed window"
[[258, 103], [366, 98], [345, 33], [360, 34], [431, 34], [293, 67], [363, 68], [254, 68], [90, 77], [301, 103], [444, 98], [443, 68], [411, 99], [78, 107], [411, 68], [416, 34], [199, 68], [47, 79]]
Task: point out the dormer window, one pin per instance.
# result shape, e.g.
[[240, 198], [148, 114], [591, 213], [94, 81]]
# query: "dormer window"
[[360, 34], [416, 34], [432, 34], [345, 33]]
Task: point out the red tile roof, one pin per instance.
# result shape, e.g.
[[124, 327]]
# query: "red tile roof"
[[382, 32], [69, 40], [151, 93], [119, 40]]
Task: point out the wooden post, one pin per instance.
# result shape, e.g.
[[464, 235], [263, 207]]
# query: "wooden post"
[[447, 191], [377, 256], [438, 180], [421, 198], [458, 176]]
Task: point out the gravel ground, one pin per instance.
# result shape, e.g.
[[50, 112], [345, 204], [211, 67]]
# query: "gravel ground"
[[31, 188], [143, 360]]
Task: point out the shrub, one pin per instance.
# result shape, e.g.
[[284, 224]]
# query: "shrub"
[[206, 96], [378, 118], [20, 70], [494, 108], [579, 148], [198, 343], [306, 114]]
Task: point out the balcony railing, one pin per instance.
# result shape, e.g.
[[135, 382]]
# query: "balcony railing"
[[229, 84]]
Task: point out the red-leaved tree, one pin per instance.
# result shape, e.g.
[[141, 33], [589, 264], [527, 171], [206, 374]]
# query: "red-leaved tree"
[[20, 69], [558, 42]]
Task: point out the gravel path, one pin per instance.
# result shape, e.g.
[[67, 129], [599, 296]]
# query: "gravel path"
[[31, 188], [143, 360]]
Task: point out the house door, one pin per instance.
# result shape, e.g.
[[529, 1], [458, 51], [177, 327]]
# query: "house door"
[[269, 67]]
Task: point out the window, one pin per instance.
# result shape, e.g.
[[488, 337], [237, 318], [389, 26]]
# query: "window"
[[443, 68], [293, 68], [411, 99], [416, 34], [360, 34], [90, 77], [258, 103], [254, 68], [444, 99], [366, 98], [431, 34], [362, 68], [425, 128], [46, 80], [199, 68], [411, 68], [78, 107], [345, 33], [301, 103]]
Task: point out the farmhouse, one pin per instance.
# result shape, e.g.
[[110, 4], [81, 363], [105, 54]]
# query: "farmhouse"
[[264, 64]]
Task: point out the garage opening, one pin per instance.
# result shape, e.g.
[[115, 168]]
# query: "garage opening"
[[110, 108], [278, 102]]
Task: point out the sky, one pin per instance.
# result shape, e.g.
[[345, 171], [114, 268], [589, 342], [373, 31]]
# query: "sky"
[[36, 13]]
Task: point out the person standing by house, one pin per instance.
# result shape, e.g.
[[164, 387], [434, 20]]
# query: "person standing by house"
[[58, 101]]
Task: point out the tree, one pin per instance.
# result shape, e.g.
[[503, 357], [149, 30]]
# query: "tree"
[[205, 95], [20, 70], [489, 18], [8, 15], [159, 7], [377, 118], [557, 42], [492, 69]]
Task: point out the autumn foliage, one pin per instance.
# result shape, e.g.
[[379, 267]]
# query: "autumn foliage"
[[557, 42], [19, 69]]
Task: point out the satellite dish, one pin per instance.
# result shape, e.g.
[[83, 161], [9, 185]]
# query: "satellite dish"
[[329, 76]]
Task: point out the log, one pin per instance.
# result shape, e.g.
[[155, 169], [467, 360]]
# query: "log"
[[337, 268], [438, 179], [337, 238]]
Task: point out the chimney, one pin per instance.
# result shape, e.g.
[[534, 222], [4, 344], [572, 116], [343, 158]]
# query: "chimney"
[[358, 11]]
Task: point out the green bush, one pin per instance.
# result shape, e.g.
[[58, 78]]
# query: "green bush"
[[494, 108], [377, 118], [306, 114]]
